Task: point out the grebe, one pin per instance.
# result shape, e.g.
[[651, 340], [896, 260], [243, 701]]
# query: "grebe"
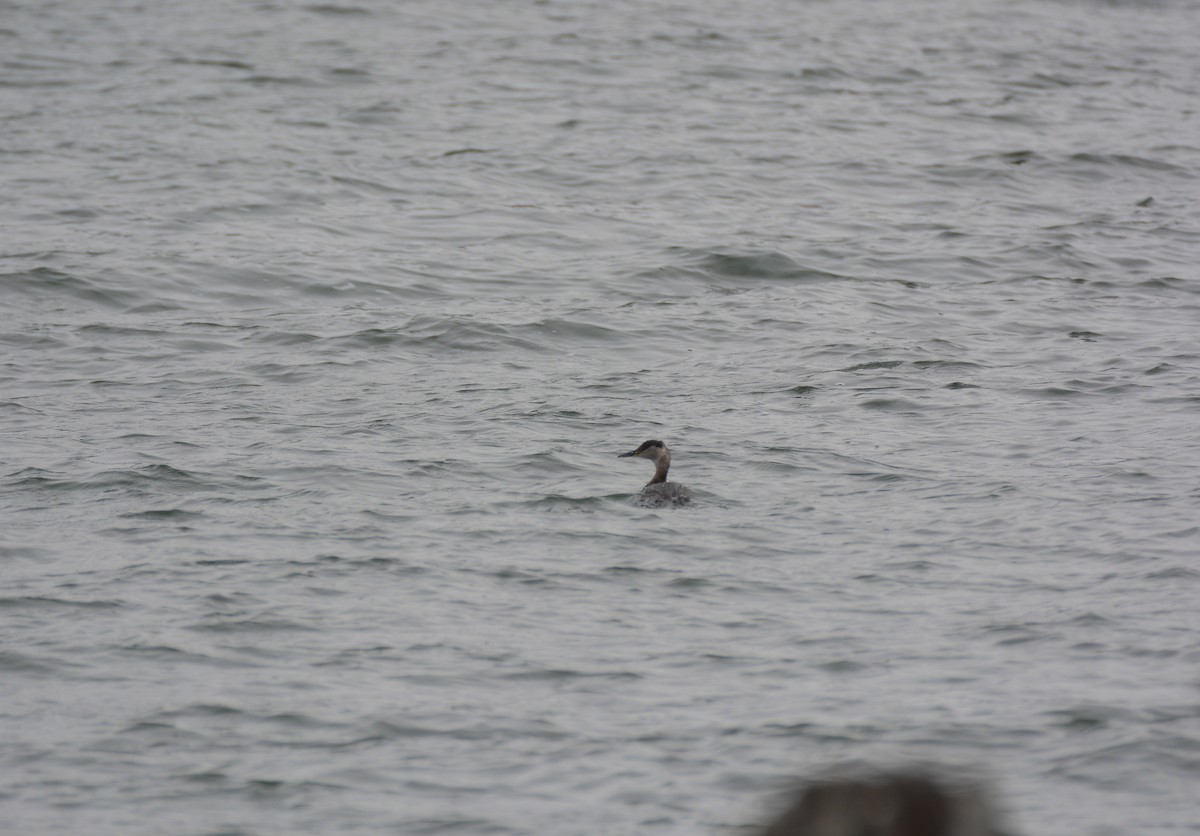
[[659, 493]]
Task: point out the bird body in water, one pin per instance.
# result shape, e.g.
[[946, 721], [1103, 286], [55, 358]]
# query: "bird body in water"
[[659, 493]]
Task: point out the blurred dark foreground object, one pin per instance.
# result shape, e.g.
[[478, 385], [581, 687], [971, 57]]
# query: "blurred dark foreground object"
[[894, 804]]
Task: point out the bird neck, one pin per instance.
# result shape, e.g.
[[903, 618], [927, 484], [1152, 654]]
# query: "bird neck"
[[661, 466]]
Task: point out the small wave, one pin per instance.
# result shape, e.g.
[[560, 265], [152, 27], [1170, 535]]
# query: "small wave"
[[278, 81], [1129, 161], [225, 63], [23, 552], [562, 674], [168, 514], [332, 10], [151, 476], [841, 666], [769, 265], [433, 333], [253, 625], [574, 331], [44, 282], [1052, 392], [41, 602], [561, 504], [391, 730], [946, 364], [891, 405], [878, 364], [1170, 283], [14, 662], [802, 390], [1087, 718], [690, 583], [173, 655]]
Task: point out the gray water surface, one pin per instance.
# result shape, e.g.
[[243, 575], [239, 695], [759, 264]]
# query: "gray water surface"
[[322, 326]]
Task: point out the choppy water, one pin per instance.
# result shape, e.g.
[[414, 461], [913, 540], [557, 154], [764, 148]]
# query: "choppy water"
[[323, 324]]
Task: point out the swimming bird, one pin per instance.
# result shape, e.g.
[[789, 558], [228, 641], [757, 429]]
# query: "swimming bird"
[[659, 493]]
